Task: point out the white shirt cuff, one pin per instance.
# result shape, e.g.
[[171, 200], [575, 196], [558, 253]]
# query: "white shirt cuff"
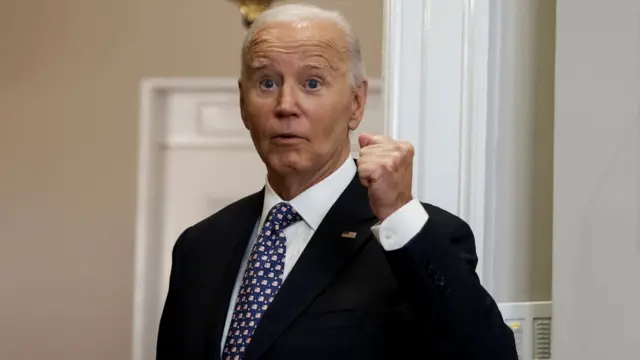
[[401, 226]]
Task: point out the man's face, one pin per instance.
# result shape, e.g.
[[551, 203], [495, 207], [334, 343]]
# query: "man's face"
[[296, 97]]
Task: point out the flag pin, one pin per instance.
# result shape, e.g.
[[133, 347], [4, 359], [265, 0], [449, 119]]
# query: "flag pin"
[[349, 234]]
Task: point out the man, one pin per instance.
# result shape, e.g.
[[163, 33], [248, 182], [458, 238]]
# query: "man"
[[333, 258]]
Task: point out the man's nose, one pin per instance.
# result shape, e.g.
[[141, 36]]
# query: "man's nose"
[[287, 100]]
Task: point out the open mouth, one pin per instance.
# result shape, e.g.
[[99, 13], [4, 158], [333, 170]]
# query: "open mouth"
[[286, 138]]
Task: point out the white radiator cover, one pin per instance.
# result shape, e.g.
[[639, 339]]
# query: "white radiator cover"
[[531, 324]]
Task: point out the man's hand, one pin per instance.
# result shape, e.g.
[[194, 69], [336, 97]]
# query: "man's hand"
[[385, 168]]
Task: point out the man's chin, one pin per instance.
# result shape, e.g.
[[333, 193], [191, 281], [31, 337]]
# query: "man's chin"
[[285, 164]]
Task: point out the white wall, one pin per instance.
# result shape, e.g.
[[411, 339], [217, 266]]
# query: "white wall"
[[596, 279]]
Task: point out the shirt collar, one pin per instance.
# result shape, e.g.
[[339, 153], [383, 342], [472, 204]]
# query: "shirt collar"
[[314, 203]]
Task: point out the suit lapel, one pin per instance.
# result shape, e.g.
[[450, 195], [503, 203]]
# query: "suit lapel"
[[326, 254], [241, 223]]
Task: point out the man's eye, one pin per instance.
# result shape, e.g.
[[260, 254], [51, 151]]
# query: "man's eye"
[[313, 84], [268, 84]]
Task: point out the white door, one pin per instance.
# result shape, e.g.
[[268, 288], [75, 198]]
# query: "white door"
[[596, 274]]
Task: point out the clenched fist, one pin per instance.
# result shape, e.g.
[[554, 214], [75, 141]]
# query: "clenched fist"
[[386, 169]]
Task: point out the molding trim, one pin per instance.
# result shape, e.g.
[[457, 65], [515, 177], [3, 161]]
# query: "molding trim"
[[476, 199], [404, 71], [436, 96], [155, 136]]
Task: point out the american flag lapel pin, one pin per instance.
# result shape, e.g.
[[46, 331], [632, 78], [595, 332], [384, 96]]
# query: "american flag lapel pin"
[[349, 234]]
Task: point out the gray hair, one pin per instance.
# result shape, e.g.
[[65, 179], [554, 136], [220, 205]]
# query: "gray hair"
[[299, 12]]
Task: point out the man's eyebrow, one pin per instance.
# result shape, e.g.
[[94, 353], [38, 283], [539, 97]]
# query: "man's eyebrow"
[[315, 66], [257, 64]]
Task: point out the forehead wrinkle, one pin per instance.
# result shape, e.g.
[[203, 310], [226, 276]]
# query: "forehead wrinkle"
[[313, 37], [315, 65], [297, 44], [283, 31], [316, 54]]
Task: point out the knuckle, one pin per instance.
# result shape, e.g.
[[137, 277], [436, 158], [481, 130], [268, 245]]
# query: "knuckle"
[[381, 139], [391, 164], [407, 148]]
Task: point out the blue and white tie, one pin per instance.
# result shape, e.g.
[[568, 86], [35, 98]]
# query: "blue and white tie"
[[262, 279]]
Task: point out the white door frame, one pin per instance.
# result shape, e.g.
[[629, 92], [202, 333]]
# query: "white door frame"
[[436, 71]]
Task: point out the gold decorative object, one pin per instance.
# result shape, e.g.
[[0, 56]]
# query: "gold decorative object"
[[251, 9]]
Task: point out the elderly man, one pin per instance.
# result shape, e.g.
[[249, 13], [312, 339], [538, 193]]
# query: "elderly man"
[[333, 258]]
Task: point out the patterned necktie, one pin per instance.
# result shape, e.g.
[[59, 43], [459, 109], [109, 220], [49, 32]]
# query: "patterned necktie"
[[262, 279]]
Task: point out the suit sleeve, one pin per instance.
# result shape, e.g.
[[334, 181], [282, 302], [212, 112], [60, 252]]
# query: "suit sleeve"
[[168, 334], [436, 271]]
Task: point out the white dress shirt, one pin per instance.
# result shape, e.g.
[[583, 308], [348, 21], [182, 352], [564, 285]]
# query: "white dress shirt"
[[312, 205]]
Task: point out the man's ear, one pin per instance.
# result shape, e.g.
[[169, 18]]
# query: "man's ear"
[[358, 102], [243, 114]]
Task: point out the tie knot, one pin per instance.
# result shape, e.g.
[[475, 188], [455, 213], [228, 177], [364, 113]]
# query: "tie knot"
[[283, 214]]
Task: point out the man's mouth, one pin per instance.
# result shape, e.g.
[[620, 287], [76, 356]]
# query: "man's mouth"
[[286, 138]]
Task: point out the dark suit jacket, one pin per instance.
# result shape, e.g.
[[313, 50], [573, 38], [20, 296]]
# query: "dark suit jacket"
[[344, 298]]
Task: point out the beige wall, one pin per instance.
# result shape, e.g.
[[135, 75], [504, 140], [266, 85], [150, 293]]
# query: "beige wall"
[[541, 245], [69, 75]]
